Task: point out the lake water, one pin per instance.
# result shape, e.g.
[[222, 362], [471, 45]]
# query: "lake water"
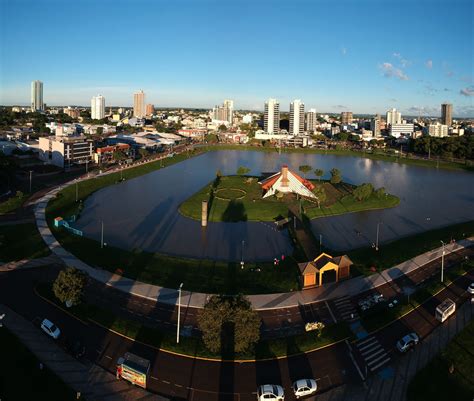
[[142, 213]]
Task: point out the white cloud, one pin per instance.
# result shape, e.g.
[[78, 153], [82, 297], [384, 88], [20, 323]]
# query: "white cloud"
[[469, 91], [390, 71], [429, 64], [423, 110], [403, 61], [343, 51]]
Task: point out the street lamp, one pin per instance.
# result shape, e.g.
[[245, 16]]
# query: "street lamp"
[[377, 240], [179, 312], [77, 192], [31, 176], [102, 235], [242, 255], [442, 263], [320, 242]]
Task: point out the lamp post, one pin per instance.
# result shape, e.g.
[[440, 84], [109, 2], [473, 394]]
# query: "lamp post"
[[77, 192], [242, 255], [442, 263], [31, 176], [377, 240], [102, 235], [179, 312], [320, 242]]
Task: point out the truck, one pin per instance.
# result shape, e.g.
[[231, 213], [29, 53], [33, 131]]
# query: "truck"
[[133, 368], [445, 309]]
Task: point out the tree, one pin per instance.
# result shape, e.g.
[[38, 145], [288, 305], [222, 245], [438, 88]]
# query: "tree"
[[69, 285], [229, 324], [305, 169], [242, 170], [319, 173], [363, 191], [143, 152], [320, 194], [335, 176], [99, 131], [118, 155], [380, 193], [222, 128]]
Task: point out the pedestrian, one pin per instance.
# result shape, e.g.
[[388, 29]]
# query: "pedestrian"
[[282, 258], [40, 366]]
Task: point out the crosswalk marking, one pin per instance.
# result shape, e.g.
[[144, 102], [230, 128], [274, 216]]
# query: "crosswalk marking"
[[372, 352]]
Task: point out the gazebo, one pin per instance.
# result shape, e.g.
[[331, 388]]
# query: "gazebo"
[[287, 181], [312, 272]]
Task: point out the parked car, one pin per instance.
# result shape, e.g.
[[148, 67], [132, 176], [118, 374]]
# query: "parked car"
[[410, 340], [270, 392], [470, 289], [76, 348], [50, 329], [304, 387]]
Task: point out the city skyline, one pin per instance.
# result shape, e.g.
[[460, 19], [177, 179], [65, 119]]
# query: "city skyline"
[[342, 71]]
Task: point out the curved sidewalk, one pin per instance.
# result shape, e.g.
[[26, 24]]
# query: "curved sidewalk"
[[260, 302]]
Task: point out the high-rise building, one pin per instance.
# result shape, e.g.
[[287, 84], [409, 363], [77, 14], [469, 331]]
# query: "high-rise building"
[[139, 104], [394, 117], [447, 114], [98, 107], [346, 117], [296, 117], [150, 109], [375, 126], [224, 112], [271, 122], [37, 96], [311, 120]]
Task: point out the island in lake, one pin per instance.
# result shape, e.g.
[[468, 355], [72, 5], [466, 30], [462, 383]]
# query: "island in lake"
[[277, 196]]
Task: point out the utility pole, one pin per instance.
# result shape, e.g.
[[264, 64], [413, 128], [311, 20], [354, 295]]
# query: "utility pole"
[[377, 241], [179, 312], [31, 176], [77, 192], [442, 263], [102, 235], [320, 242], [242, 255]]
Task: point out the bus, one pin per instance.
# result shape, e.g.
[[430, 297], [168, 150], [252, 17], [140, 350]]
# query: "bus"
[[445, 309]]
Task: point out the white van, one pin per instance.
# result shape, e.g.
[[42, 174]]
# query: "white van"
[[445, 309]]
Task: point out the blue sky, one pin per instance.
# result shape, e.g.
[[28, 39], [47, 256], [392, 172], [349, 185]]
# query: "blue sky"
[[358, 55]]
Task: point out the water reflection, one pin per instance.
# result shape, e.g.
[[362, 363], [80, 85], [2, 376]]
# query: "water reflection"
[[142, 213]]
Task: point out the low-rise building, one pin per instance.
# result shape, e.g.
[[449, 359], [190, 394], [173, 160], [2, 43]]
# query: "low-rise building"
[[437, 130], [193, 133], [397, 130], [105, 154], [65, 151]]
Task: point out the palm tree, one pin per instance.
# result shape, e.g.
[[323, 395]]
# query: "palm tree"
[[305, 169], [319, 173]]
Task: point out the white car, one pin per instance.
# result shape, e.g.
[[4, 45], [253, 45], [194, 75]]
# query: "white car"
[[470, 289], [50, 329], [304, 387], [270, 392], [410, 340]]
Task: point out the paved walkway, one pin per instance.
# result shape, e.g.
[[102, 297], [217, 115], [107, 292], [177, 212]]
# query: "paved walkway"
[[259, 302], [29, 263], [392, 385], [94, 383]]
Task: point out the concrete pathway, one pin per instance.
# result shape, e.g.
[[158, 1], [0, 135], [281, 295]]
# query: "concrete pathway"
[[93, 382], [391, 384], [29, 263], [260, 302]]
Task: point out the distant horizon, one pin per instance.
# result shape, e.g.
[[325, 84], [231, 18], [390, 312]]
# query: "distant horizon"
[[409, 55]]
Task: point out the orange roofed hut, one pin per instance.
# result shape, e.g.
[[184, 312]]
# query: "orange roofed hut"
[[312, 272]]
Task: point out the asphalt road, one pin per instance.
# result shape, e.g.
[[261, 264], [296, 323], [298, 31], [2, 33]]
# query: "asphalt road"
[[194, 379]]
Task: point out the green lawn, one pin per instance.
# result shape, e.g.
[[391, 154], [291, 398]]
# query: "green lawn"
[[435, 382], [237, 198], [20, 376], [21, 241], [395, 252], [12, 204], [194, 346]]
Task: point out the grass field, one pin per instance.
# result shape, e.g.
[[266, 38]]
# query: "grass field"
[[12, 204], [436, 383], [21, 241], [194, 346], [395, 252], [20, 376], [237, 198]]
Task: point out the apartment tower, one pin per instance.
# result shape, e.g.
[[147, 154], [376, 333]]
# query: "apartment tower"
[[296, 117], [139, 104], [447, 114], [311, 120], [346, 117], [271, 122], [37, 96], [97, 107], [394, 117]]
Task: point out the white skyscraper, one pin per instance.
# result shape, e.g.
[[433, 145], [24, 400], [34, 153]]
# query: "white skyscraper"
[[311, 120], [296, 117], [98, 107], [224, 112], [394, 117], [37, 96], [271, 123], [139, 104]]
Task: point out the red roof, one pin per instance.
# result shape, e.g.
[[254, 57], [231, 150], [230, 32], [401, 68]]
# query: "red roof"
[[268, 182]]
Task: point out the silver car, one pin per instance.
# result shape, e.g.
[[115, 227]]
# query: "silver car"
[[410, 340], [50, 329], [304, 387], [270, 392]]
